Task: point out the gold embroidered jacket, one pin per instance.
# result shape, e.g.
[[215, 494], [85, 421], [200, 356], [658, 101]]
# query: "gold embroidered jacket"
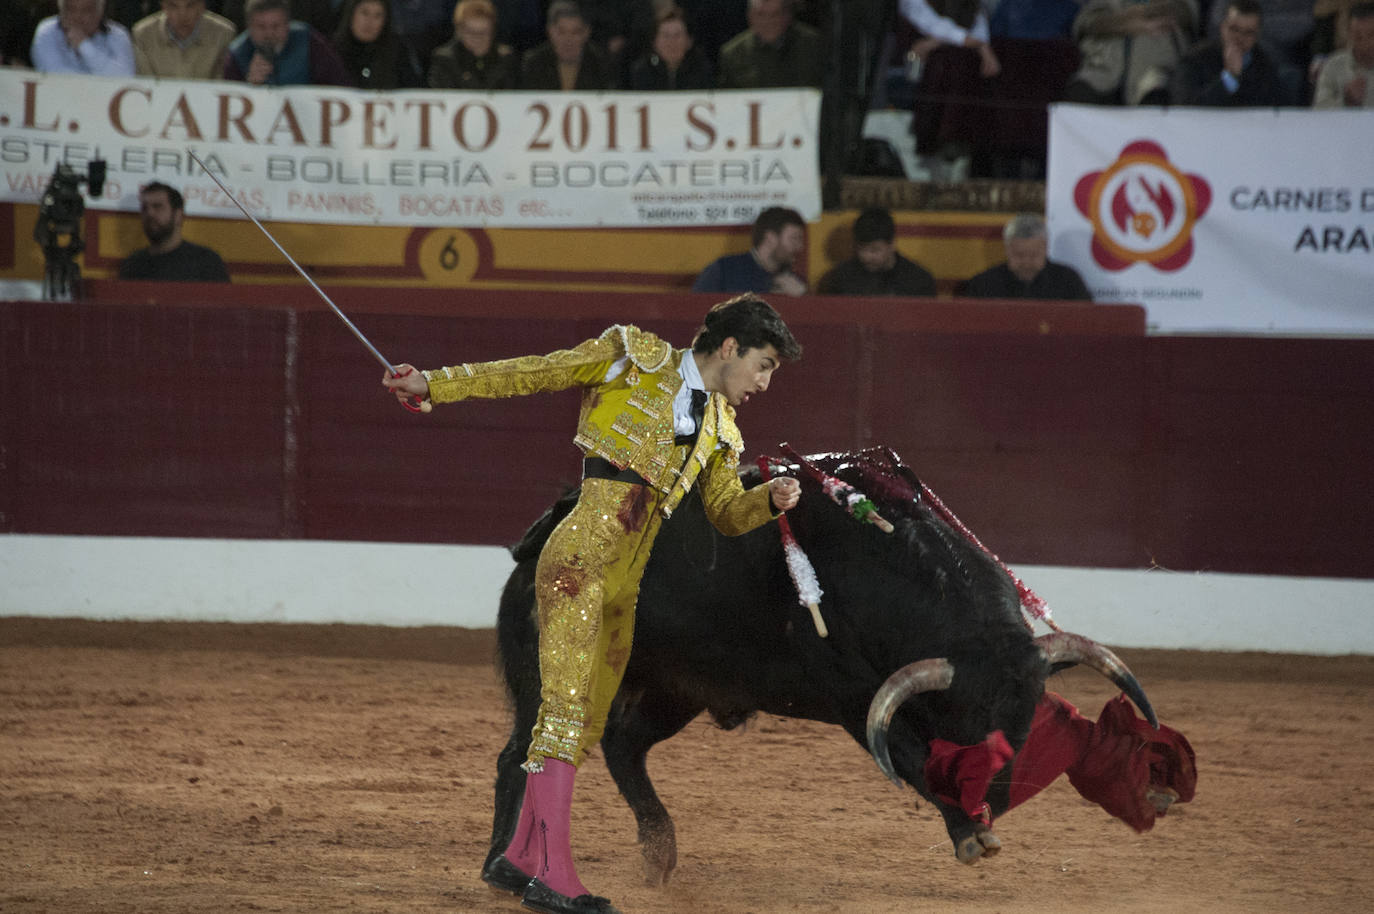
[[629, 419]]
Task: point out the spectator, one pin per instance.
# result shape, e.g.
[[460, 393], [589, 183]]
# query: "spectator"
[[672, 62], [370, 51], [1130, 50], [774, 52], [168, 257], [472, 59], [778, 238], [1232, 70], [320, 15], [1346, 78], [876, 268], [1027, 272], [567, 60], [183, 41], [952, 102], [79, 39], [1286, 29], [957, 23], [274, 50]]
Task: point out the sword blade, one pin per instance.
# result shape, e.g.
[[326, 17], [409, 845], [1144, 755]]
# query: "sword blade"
[[304, 275]]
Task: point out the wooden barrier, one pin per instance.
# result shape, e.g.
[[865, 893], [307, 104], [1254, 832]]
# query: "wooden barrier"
[[1059, 432]]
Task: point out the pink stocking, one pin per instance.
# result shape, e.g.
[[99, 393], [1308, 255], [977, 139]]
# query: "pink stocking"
[[542, 842]]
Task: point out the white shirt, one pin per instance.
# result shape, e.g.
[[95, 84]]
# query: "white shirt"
[[109, 52], [931, 23]]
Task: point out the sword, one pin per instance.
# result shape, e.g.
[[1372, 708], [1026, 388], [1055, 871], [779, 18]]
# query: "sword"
[[414, 404]]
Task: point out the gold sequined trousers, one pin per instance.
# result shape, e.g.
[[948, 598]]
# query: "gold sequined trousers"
[[586, 586]]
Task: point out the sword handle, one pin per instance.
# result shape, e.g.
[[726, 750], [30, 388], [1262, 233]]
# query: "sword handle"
[[413, 403]]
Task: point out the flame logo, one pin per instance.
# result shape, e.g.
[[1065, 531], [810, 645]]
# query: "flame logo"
[[1143, 209]]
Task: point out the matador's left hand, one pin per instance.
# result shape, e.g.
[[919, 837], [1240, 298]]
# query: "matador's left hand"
[[785, 491]]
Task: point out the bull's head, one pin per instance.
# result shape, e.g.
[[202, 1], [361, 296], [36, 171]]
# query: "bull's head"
[[1059, 649]]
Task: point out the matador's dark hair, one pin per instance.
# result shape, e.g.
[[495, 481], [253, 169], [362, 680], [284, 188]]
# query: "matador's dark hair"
[[752, 322]]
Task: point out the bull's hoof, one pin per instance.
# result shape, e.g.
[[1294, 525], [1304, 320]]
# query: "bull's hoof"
[[660, 858], [1161, 798], [982, 843]]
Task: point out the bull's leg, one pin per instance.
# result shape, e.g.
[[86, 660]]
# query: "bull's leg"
[[510, 784], [632, 729], [518, 641], [521, 671], [972, 839]]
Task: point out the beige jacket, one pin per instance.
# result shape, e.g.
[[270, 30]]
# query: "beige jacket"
[[1339, 69], [1135, 64], [156, 54]]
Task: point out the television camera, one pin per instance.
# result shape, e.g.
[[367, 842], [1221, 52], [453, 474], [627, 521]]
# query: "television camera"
[[58, 230]]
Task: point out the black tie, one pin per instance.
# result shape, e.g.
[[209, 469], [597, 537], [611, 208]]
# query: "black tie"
[[698, 412]]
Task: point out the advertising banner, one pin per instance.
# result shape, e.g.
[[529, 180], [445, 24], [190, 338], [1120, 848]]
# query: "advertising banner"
[[329, 155], [1228, 220]]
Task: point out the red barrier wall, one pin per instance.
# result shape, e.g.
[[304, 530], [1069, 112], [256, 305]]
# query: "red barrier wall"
[[1058, 431]]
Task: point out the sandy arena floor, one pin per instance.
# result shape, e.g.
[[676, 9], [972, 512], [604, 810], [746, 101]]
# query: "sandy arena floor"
[[187, 767]]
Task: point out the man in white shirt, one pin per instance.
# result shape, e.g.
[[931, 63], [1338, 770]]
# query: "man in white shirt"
[[79, 39], [962, 25]]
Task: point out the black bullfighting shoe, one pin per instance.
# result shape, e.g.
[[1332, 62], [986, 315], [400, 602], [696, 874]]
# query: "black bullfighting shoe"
[[506, 876], [539, 897]]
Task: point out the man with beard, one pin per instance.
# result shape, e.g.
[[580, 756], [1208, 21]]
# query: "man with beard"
[[778, 239], [168, 257], [876, 268]]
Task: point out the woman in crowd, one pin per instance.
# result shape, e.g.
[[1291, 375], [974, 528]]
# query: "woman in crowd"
[[472, 59], [370, 49], [673, 61]]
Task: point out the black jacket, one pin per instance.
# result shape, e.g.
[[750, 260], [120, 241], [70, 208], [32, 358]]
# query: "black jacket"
[[453, 66], [1197, 81], [539, 70], [650, 74]]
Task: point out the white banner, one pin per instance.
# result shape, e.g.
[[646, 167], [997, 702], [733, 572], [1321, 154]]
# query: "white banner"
[[1231, 220], [524, 159]]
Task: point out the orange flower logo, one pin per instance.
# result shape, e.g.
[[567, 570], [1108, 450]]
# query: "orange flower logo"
[[1143, 209]]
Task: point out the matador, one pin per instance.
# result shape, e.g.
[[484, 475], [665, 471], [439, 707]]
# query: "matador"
[[654, 422]]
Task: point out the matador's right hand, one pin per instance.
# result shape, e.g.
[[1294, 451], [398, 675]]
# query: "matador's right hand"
[[406, 383]]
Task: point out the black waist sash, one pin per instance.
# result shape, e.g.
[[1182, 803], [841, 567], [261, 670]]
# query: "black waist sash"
[[601, 468]]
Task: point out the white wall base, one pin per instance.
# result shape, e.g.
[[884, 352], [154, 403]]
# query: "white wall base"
[[395, 584], [209, 580]]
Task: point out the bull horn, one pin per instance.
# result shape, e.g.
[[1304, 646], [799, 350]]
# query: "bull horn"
[[929, 675], [1066, 647]]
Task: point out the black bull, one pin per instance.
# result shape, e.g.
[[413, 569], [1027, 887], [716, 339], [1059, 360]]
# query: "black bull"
[[719, 628]]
